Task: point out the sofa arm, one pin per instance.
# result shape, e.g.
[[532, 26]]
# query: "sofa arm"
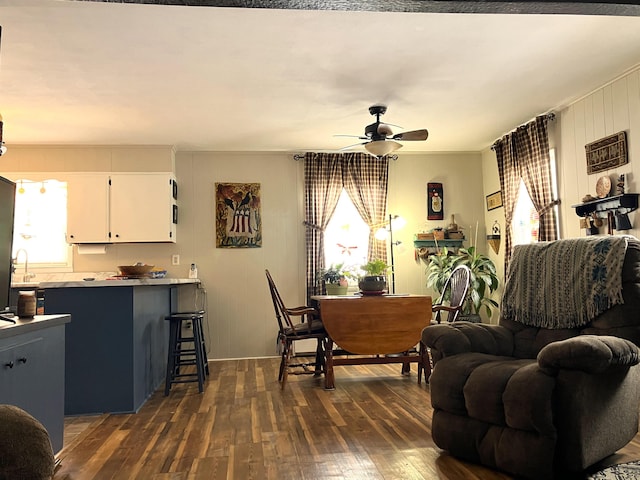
[[460, 337], [588, 353]]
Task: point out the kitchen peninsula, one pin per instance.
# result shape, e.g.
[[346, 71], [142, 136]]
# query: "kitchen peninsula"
[[116, 346]]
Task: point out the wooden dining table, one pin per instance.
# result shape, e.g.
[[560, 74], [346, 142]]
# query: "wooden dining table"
[[373, 329]]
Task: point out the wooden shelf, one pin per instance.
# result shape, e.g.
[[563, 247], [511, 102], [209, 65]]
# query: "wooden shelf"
[[626, 201], [448, 242]]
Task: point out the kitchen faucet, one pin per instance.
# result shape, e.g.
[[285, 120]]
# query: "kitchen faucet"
[[27, 276]]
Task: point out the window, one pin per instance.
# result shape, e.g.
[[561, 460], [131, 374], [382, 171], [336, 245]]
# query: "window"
[[526, 225], [346, 238], [40, 226]]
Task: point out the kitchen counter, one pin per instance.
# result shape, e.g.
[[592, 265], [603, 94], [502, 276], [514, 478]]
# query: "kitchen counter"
[[104, 283], [26, 325]]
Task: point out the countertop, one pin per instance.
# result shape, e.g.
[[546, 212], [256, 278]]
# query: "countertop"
[[8, 329], [106, 283]]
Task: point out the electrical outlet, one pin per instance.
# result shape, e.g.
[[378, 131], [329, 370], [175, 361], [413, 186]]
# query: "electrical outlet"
[[175, 259]]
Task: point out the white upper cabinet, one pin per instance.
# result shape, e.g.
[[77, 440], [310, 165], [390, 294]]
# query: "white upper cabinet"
[[142, 207], [88, 208], [122, 208]]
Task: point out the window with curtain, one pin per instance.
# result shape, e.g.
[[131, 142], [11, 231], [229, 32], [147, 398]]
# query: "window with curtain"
[[524, 156], [364, 178]]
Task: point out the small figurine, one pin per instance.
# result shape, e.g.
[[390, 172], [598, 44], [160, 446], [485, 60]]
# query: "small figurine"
[[620, 185]]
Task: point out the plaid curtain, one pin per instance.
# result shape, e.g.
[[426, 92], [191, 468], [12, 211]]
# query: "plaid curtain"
[[532, 145], [323, 185], [524, 155], [509, 184], [365, 179]]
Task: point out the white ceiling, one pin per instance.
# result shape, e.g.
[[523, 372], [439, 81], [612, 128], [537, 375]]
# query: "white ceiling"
[[212, 78]]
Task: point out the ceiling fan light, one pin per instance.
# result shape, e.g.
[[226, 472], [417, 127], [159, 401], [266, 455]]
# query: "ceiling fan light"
[[380, 148]]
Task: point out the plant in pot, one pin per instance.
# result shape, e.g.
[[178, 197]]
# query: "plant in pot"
[[374, 280], [335, 278], [484, 279]]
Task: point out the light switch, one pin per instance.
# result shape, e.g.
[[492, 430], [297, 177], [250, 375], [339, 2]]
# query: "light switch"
[[175, 259]]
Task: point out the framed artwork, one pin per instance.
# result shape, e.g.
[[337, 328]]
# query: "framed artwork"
[[238, 215], [435, 201], [606, 153], [494, 200]]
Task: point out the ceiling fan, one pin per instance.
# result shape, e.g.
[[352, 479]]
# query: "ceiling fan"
[[380, 137]]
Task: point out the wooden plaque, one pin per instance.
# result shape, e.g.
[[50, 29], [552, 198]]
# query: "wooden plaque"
[[606, 153]]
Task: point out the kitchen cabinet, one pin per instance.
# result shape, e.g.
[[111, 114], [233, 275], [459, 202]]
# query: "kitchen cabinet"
[[32, 371], [122, 208], [88, 208]]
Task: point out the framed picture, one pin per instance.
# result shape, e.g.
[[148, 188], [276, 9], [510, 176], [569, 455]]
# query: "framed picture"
[[435, 201], [494, 200], [238, 217]]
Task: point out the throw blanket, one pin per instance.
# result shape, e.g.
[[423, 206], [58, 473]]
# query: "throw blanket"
[[566, 283]]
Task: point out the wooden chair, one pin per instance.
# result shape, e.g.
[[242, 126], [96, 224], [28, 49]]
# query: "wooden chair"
[[309, 327], [454, 292]]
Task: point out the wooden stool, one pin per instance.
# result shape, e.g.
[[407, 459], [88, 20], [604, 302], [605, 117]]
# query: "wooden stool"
[[179, 356]]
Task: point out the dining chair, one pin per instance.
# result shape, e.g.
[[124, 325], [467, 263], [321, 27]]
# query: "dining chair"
[[453, 294], [309, 326]]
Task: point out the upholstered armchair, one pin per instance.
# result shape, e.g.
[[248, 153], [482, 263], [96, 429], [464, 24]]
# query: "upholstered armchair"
[[554, 387]]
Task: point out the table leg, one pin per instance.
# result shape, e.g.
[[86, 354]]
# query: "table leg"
[[329, 381]]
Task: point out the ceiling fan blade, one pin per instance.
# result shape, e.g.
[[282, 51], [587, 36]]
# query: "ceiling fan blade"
[[352, 136], [354, 145], [412, 135]]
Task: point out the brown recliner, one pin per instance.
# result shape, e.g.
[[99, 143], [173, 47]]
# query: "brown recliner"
[[539, 402]]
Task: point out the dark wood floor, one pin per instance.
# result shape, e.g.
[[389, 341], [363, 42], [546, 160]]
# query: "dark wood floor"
[[375, 425]]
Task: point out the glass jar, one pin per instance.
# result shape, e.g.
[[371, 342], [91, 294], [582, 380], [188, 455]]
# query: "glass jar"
[[26, 304]]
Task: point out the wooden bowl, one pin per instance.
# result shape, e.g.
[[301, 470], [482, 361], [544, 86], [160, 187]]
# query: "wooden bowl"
[[135, 270]]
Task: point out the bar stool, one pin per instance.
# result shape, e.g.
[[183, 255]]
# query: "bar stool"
[[179, 356]]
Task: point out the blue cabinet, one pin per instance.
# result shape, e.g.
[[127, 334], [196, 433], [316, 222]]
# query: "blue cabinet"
[[32, 372], [116, 346]]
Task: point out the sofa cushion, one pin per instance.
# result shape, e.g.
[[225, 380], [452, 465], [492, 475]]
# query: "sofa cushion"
[[494, 389]]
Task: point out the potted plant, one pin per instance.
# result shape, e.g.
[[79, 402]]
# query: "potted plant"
[[484, 279], [335, 278], [374, 280]]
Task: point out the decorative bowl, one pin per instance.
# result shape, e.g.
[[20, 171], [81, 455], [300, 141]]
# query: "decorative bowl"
[[135, 270]]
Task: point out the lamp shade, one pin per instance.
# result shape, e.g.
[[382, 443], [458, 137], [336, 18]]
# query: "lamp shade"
[[380, 148]]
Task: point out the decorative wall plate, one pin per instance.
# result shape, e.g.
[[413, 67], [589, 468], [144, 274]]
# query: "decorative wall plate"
[[603, 187]]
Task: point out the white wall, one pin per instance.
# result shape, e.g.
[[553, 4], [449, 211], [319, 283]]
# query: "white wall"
[[461, 177], [613, 108]]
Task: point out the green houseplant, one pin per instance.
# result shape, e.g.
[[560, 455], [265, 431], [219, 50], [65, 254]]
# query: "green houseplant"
[[374, 280], [335, 278], [484, 278]]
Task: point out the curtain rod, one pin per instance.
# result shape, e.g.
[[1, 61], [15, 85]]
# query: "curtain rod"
[[550, 116], [300, 156]]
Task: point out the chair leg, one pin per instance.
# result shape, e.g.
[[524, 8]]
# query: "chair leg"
[[319, 359], [171, 356], [425, 362], [285, 364], [200, 361]]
